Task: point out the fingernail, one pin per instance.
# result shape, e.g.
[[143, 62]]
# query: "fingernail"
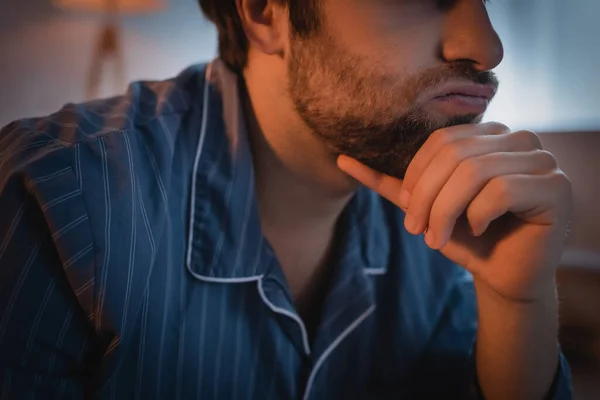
[[410, 223], [430, 239], [404, 198]]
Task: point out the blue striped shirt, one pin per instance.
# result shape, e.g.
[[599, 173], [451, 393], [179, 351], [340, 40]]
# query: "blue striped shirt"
[[132, 265]]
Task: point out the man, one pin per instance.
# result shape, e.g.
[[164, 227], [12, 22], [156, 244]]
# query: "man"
[[316, 214]]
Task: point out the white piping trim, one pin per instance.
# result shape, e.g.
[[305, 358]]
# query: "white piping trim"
[[332, 346], [374, 271], [193, 194], [226, 280], [196, 163], [286, 313]]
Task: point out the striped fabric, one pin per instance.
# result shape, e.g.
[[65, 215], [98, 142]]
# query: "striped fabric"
[[132, 266]]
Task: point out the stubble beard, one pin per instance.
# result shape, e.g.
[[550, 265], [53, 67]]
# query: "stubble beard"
[[361, 112]]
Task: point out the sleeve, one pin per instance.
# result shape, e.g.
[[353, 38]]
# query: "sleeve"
[[561, 387], [449, 360], [46, 340]]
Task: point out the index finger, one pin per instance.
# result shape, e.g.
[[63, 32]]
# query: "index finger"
[[385, 185]]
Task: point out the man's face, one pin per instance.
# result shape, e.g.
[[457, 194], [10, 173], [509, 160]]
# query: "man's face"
[[379, 76]]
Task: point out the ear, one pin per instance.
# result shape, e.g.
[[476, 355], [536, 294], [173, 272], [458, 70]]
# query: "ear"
[[265, 23]]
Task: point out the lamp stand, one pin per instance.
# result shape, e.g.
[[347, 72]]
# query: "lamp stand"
[[108, 47]]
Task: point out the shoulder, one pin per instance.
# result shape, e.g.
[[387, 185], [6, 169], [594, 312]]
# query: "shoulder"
[[102, 140], [144, 102], [101, 136], [79, 174]]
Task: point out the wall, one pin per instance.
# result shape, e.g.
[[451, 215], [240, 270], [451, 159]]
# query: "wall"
[[549, 74], [45, 53], [578, 155]]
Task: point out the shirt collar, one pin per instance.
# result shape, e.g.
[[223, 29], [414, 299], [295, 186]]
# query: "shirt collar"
[[225, 241]]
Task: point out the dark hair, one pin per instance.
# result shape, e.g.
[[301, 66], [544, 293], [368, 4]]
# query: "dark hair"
[[233, 44]]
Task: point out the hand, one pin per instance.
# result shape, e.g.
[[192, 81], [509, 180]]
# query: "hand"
[[489, 199]]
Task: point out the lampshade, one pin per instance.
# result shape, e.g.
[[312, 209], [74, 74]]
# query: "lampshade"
[[118, 6]]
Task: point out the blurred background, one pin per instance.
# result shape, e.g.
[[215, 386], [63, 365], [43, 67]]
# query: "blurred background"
[[50, 54]]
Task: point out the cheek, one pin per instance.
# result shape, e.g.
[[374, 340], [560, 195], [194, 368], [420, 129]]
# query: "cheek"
[[395, 35]]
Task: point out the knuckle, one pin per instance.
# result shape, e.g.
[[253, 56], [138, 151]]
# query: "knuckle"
[[453, 153], [498, 127], [563, 182], [548, 159], [440, 138], [501, 188], [529, 139], [472, 169]]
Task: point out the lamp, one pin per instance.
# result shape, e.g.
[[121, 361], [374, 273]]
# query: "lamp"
[[119, 6], [109, 39]]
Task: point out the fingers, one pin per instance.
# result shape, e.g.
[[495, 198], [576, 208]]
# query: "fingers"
[[387, 186], [470, 178], [438, 140], [482, 171], [532, 197], [392, 188], [462, 153]]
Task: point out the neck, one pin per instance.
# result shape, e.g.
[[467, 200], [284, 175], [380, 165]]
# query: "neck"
[[290, 201], [298, 184], [301, 192]]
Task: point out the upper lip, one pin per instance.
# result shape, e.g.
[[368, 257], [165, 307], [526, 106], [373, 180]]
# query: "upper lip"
[[464, 89]]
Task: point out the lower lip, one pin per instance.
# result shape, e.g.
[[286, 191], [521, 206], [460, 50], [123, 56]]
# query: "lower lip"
[[461, 104]]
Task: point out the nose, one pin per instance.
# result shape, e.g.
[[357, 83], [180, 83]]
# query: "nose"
[[470, 37]]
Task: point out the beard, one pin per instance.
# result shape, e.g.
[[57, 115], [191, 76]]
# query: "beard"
[[365, 113]]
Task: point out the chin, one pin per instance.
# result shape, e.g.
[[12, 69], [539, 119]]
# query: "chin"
[[444, 119]]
